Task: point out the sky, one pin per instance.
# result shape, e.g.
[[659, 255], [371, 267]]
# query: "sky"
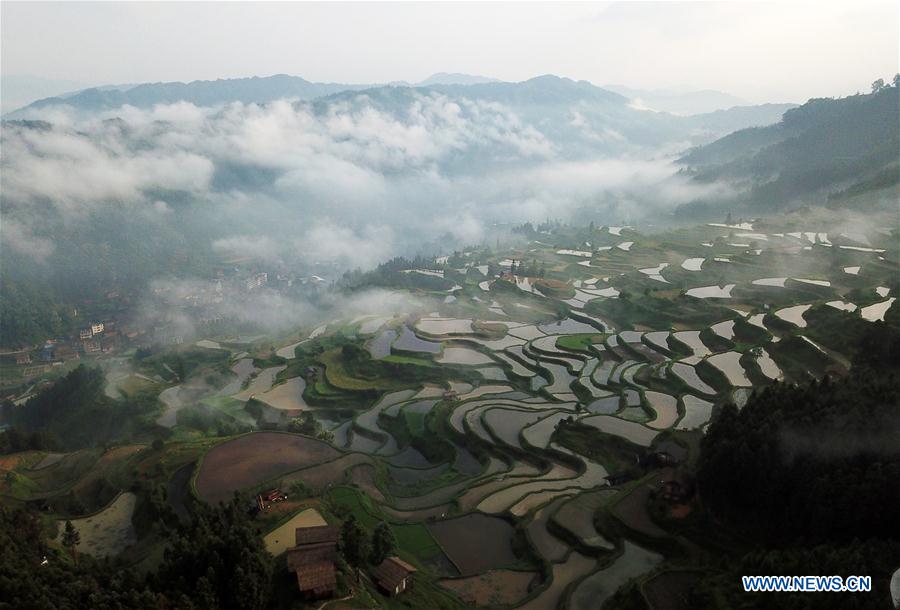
[[760, 51]]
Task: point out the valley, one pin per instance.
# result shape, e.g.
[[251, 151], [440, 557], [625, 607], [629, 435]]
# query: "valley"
[[522, 439]]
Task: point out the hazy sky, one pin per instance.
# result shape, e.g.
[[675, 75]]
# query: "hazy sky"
[[762, 51]]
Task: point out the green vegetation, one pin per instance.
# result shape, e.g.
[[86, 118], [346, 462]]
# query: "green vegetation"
[[391, 476], [821, 144], [613, 452], [413, 540], [218, 561], [787, 472], [579, 343], [75, 412]]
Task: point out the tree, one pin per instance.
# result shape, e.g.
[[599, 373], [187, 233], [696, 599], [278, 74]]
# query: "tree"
[[32, 574], [217, 560], [897, 80], [354, 545], [878, 85], [383, 543], [71, 538]]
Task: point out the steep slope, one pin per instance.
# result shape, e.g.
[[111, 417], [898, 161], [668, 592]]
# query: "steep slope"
[[821, 147]]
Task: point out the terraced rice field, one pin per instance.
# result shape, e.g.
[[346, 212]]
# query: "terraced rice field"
[[506, 424], [261, 383], [444, 326], [380, 346], [572, 569], [577, 516], [666, 408], [547, 545], [475, 543], [689, 375], [287, 396], [794, 315], [711, 292], [533, 375], [729, 364], [697, 412], [767, 366], [593, 591], [409, 342], [463, 355], [630, 431]]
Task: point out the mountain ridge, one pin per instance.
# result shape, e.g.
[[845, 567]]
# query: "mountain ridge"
[[825, 145], [264, 89]]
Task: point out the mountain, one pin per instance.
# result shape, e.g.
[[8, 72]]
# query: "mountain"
[[581, 118], [739, 117], [259, 90], [560, 104], [455, 78], [821, 147], [679, 102]]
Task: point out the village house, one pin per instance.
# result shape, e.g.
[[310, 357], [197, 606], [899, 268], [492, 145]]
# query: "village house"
[[312, 560], [48, 352], [23, 358], [257, 280], [393, 576], [267, 498], [97, 328]]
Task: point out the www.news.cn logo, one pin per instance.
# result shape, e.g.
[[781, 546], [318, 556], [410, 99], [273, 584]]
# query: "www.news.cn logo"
[[807, 584]]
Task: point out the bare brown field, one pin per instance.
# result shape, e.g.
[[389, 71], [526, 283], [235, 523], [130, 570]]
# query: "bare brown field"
[[494, 588], [254, 458], [334, 472]]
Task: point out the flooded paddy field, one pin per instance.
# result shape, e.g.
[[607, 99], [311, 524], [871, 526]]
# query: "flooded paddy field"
[[475, 543], [697, 412], [547, 545], [597, 588], [631, 431], [577, 516], [409, 342], [565, 573]]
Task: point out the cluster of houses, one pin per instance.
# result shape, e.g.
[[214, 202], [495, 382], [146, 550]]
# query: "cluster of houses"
[[95, 338], [314, 557]]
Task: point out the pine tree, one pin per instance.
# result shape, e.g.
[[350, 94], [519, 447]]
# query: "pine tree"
[[70, 539], [354, 545], [383, 543]]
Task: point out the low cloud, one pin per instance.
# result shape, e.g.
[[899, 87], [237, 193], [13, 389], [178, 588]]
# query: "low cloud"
[[354, 180]]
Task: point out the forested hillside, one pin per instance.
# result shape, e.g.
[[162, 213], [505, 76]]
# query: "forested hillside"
[[821, 147], [805, 476]]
